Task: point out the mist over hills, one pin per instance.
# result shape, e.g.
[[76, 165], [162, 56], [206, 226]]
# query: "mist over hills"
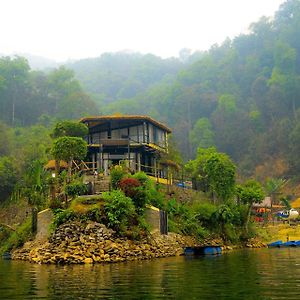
[[242, 96]]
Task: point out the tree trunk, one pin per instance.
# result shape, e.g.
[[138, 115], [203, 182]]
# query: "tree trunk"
[[248, 218], [57, 167], [69, 170]]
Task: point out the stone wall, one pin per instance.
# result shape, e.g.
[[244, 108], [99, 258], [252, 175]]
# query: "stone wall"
[[44, 220], [15, 214], [91, 242], [152, 216]]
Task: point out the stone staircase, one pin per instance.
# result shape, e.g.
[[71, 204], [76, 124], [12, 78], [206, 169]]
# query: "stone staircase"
[[100, 184]]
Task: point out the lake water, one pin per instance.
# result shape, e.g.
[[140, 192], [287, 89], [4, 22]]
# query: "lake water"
[[242, 274]]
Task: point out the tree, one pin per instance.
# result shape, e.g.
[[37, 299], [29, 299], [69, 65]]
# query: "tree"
[[273, 187], [69, 148], [14, 75], [216, 171], [69, 128], [8, 177], [202, 134], [248, 193]]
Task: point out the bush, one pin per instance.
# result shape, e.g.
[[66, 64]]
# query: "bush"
[[141, 194], [94, 214], [129, 186], [155, 197], [118, 209], [75, 189], [142, 178], [116, 174], [204, 212], [62, 216], [19, 237]]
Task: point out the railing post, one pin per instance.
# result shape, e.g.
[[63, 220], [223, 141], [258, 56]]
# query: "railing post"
[[34, 213]]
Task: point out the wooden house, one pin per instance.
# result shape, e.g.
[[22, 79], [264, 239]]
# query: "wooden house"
[[140, 141]]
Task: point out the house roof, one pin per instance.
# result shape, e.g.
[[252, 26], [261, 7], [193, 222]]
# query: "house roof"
[[296, 203], [51, 164], [95, 120]]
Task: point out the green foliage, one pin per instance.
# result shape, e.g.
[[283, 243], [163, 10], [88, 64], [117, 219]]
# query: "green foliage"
[[202, 134], [215, 171], [204, 212], [62, 216], [75, 189], [286, 202], [69, 148], [250, 192], [274, 185], [121, 75], [69, 128], [118, 209], [142, 178], [8, 176], [17, 238], [155, 197], [116, 174]]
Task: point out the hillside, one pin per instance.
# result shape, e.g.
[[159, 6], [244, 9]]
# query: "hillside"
[[121, 75], [242, 96]]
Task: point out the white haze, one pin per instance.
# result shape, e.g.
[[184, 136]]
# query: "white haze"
[[73, 29]]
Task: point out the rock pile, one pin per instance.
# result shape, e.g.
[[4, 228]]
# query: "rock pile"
[[254, 243], [77, 242]]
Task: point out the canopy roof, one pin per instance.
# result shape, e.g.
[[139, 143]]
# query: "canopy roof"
[[98, 120]]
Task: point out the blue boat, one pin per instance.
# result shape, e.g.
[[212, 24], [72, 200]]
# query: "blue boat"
[[202, 250], [6, 256], [276, 244], [292, 244], [280, 244]]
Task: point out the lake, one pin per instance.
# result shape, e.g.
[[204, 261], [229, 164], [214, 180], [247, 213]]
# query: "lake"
[[241, 274]]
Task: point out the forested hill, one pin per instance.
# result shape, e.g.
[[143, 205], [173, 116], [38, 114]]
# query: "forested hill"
[[28, 97], [120, 75], [242, 96]]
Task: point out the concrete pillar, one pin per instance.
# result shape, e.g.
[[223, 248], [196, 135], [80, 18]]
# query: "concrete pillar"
[[139, 162]]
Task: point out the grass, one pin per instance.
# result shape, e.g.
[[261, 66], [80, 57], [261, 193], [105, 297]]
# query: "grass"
[[273, 233], [83, 204], [17, 238]]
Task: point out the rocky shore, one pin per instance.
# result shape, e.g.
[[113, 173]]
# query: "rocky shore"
[[77, 242]]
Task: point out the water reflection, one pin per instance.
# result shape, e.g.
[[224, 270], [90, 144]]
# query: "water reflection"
[[252, 274]]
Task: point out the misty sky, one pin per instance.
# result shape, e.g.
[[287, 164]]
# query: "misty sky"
[[72, 29]]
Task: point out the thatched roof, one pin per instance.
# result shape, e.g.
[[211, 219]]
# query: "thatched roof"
[[119, 117], [296, 203], [51, 165]]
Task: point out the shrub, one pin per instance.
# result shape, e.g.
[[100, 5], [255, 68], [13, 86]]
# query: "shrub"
[[129, 186], [142, 178], [155, 197], [116, 174], [18, 237], [204, 212], [94, 214], [118, 209], [75, 189], [62, 216], [140, 194], [192, 227]]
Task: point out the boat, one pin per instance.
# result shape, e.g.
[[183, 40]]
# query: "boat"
[[6, 256], [280, 244], [276, 244], [291, 214], [202, 250]]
